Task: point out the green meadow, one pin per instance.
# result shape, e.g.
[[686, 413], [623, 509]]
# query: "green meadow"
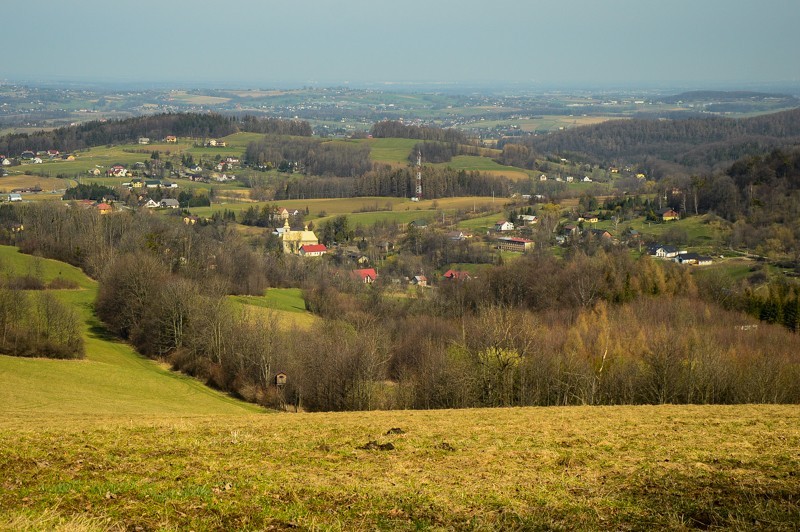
[[485, 164], [390, 151], [284, 304]]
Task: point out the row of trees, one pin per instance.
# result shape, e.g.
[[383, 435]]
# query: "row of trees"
[[384, 180], [395, 129], [101, 133], [311, 156]]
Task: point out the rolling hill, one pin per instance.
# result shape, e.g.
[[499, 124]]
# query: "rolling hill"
[[691, 143], [112, 380]]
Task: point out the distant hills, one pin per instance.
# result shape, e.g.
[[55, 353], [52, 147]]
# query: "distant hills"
[[693, 143], [729, 96]]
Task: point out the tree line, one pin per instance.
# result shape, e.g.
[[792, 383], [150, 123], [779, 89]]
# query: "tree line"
[[395, 129], [310, 156], [385, 180], [101, 133]]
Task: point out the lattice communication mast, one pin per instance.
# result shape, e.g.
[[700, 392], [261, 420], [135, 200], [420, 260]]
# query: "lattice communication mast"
[[418, 195]]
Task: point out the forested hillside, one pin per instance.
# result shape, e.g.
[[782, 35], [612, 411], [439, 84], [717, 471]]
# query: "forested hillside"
[[694, 143], [394, 129], [100, 133]]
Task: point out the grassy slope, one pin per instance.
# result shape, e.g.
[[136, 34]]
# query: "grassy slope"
[[111, 380], [525, 468], [390, 151]]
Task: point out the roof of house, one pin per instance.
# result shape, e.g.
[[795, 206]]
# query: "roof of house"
[[313, 248], [667, 249], [515, 239], [364, 274], [455, 274], [600, 232]]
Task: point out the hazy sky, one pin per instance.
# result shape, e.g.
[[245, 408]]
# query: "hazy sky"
[[266, 43]]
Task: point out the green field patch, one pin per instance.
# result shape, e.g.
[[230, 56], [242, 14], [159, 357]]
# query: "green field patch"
[[284, 304], [481, 223], [698, 231], [286, 299], [362, 205], [47, 184], [484, 164], [391, 150], [14, 263]]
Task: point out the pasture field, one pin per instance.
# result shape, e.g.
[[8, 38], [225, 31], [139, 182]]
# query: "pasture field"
[[401, 207], [481, 223], [587, 468], [14, 263], [285, 304], [197, 99], [391, 150], [543, 123], [485, 164], [47, 184], [700, 232]]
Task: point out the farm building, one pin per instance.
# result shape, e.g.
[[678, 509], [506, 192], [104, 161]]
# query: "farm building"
[[510, 243]]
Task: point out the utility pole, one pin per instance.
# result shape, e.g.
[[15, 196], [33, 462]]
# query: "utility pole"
[[418, 196]]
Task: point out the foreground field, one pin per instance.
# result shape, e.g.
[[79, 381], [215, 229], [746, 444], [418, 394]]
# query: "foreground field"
[[572, 468]]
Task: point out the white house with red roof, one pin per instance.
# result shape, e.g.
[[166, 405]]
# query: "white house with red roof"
[[313, 250], [503, 225]]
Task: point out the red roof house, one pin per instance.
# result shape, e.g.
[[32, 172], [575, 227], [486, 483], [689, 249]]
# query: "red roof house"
[[365, 275], [313, 250], [456, 275]]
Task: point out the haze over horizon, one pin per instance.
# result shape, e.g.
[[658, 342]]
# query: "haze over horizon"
[[713, 43]]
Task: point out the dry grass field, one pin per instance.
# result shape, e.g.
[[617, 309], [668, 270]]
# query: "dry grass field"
[[47, 184], [596, 468]]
